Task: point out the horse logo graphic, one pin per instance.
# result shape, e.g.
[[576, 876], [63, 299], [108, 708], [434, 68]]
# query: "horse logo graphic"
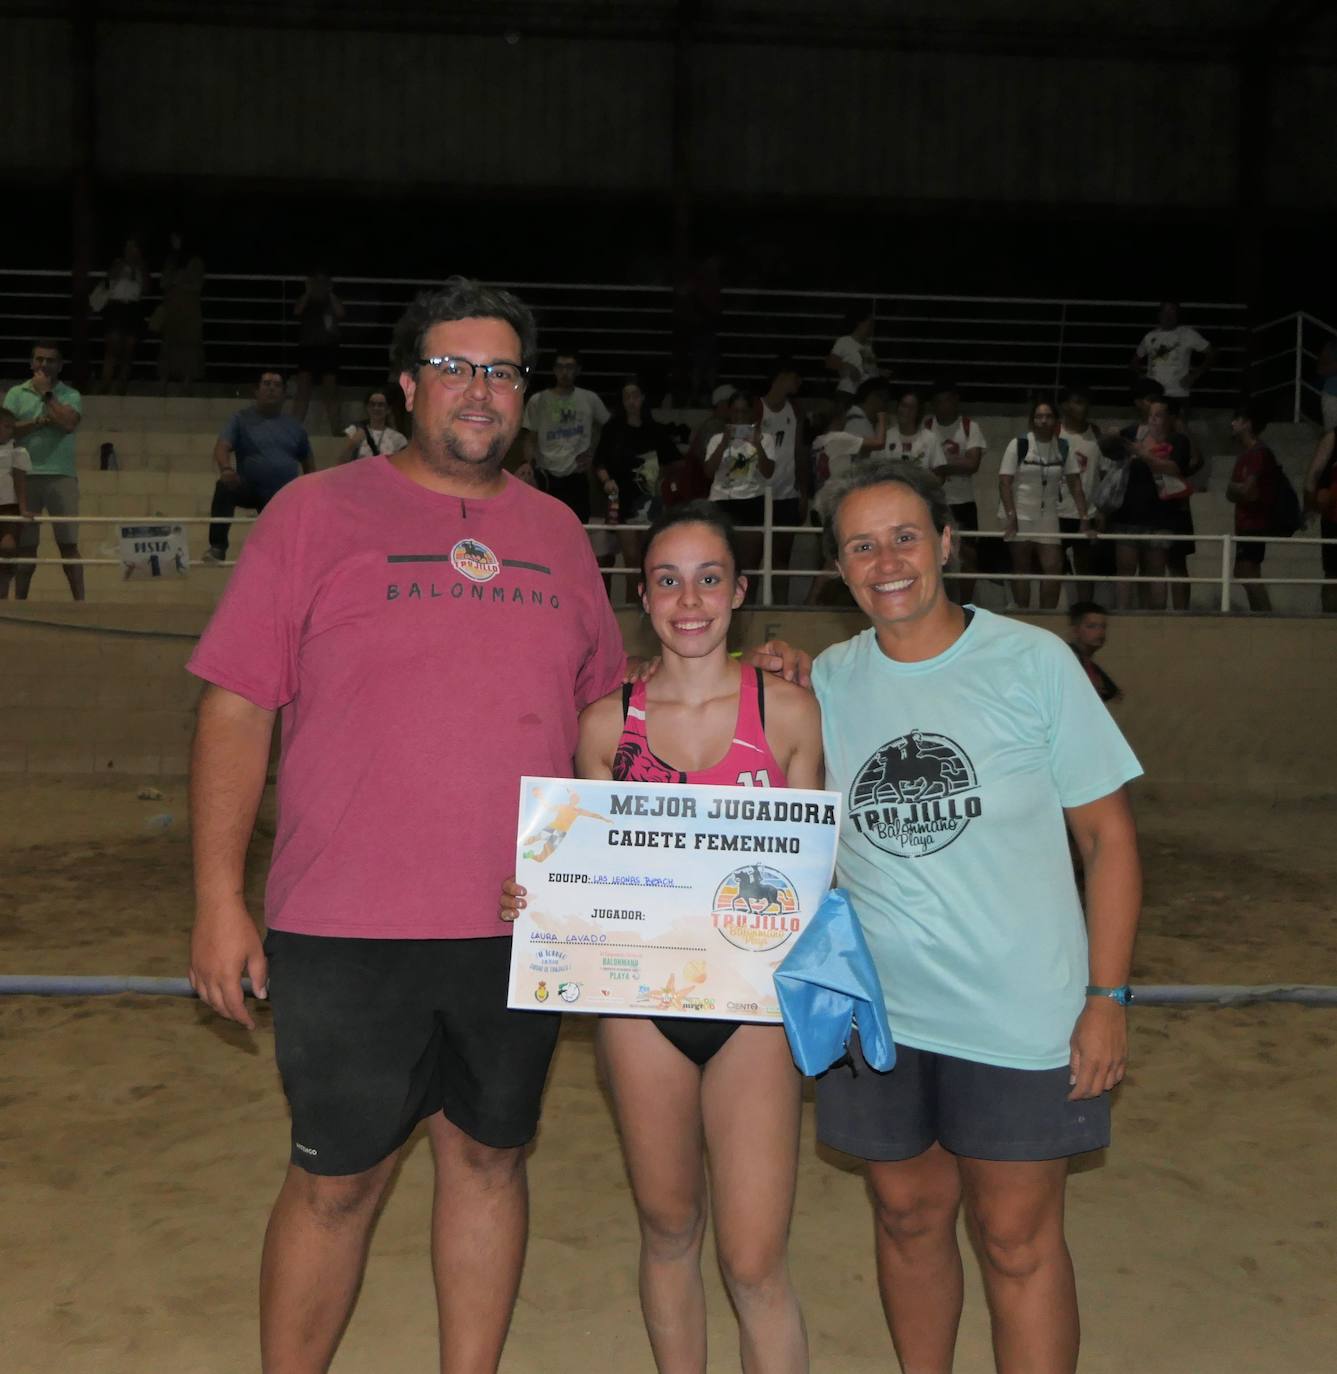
[[474, 560], [756, 908]]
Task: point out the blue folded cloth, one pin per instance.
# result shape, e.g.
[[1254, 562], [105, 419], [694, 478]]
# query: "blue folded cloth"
[[827, 985]]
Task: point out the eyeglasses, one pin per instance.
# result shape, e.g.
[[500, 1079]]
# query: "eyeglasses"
[[458, 373]]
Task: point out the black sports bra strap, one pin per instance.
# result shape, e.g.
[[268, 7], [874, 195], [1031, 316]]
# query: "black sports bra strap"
[[627, 689], [761, 696]]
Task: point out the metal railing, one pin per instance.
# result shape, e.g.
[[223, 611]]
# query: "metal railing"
[[994, 347], [1285, 352], [1224, 579]]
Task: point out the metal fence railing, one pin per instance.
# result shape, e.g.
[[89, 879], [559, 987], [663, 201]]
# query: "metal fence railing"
[[1001, 348], [1223, 579], [1285, 352]]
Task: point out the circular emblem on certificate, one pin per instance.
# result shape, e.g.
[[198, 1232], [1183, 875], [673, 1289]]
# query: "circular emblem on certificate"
[[474, 560], [756, 908]]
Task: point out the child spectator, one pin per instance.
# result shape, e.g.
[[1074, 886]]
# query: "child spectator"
[[1253, 489]]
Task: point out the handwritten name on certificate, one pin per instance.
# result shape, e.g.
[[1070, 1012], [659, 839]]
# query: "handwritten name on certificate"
[[646, 899]]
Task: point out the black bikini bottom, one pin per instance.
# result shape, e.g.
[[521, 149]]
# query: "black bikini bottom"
[[700, 1041]]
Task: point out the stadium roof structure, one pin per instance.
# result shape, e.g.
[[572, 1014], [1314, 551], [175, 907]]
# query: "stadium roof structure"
[[1193, 27]]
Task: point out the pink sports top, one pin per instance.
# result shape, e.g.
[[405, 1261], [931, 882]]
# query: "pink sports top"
[[747, 763]]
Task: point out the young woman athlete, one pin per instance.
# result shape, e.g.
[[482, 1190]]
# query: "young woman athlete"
[[696, 1095]]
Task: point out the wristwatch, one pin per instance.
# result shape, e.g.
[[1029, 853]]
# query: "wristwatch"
[[1123, 996]]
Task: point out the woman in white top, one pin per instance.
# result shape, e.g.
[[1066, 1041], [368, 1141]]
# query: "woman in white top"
[[122, 316], [373, 435], [740, 463], [908, 440], [1036, 469], [852, 358]]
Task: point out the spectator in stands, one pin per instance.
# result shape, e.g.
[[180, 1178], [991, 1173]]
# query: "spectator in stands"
[[1167, 353], [1088, 621], [47, 412], [740, 462], [791, 486], [1320, 497], [1083, 441], [1253, 489], [122, 316], [374, 434], [964, 446], [867, 405], [1036, 467], [908, 439], [634, 452], [1327, 371], [15, 465], [258, 453], [1173, 460], [179, 318], [1138, 513], [318, 311], [562, 427], [852, 358]]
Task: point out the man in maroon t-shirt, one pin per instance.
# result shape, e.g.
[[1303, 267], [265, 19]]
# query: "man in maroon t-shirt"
[[430, 629], [1253, 489]]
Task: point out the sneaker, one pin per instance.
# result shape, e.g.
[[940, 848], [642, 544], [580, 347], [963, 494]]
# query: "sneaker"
[[213, 555]]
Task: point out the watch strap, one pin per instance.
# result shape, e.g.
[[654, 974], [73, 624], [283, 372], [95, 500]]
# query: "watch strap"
[[1122, 995]]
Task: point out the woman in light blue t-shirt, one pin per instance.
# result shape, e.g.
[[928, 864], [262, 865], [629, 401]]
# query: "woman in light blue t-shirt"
[[963, 742]]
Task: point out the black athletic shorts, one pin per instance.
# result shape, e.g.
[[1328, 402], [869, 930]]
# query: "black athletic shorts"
[[371, 1036], [982, 1111], [1250, 551], [785, 510], [966, 520]]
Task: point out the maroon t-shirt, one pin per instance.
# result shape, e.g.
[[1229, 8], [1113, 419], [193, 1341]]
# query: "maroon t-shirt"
[[1255, 517], [426, 652]]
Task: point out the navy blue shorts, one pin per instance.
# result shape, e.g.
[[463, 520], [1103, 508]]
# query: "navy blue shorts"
[[982, 1111]]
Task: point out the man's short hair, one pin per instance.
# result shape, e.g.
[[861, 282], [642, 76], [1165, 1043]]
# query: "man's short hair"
[[944, 386], [856, 315], [1079, 610], [48, 343], [1256, 412], [460, 298], [1147, 389], [269, 372], [870, 388], [1075, 392], [564, 352], [784, 363]]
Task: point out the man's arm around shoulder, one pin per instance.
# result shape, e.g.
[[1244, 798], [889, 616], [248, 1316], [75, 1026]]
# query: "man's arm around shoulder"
[[229, 761]]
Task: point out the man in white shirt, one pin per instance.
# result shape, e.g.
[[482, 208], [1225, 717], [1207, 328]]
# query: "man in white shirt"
[[562, 427], [791, 482], [1166, 353], [964, 446]]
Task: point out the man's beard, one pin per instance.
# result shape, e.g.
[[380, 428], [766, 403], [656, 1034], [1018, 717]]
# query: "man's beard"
[[448, 458]]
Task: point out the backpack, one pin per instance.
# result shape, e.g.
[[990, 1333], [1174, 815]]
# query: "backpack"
[[1287, 515], [1024, 447]]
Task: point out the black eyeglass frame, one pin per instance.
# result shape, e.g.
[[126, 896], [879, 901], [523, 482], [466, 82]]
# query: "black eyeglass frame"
[[484, 368]]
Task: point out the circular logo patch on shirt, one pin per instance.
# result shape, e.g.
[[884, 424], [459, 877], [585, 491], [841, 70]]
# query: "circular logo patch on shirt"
[[475, 560], [915, 795], [756, 908]]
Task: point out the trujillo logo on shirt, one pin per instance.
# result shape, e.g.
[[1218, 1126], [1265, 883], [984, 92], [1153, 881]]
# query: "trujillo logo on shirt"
[[477, 565], [915, 795]]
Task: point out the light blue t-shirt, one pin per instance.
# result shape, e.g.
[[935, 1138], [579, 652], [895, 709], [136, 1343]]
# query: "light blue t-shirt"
[[955, 772]]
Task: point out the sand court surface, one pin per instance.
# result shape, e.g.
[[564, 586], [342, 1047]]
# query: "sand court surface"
[[142, 1140]]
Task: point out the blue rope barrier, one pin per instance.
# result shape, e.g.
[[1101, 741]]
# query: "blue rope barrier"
[[1151, 995]]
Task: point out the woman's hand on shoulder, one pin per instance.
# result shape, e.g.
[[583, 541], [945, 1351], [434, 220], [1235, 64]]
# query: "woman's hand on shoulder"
[[782, 659]]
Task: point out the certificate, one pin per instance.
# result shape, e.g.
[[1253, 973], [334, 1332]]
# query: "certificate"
[[649, 899]]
